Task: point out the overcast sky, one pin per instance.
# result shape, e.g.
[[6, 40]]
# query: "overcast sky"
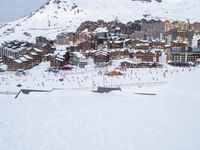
[[14, 9]]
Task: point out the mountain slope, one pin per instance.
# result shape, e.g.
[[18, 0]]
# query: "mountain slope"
[[66, 15], [54, 16]]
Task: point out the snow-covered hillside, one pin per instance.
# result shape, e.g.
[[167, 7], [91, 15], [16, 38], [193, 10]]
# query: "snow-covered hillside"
[[66, 15]]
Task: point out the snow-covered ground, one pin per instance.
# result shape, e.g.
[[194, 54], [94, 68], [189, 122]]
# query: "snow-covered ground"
[[75, 118]]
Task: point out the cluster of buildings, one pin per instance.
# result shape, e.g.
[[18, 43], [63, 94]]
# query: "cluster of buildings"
[[142, 41], [24, 55]]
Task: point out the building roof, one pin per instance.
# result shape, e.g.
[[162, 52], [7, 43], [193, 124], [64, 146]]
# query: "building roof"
[[126, 61], [61, 60], [60, 57], [28, 57], [79, 55], [101, 52], [34, 53], [23, 59], [38, 50], [18, 61], [101, 30]]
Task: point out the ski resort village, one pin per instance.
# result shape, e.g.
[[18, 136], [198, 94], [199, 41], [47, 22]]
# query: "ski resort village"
[[101, 75], [140, 44]]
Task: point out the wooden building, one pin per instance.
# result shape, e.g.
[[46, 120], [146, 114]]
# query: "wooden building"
[[65, 38], [37, 58], [83, 47], [144, 56], [157, 44], [47, 49], [14, 48], [24, 62], [57, 63], [115, 44], [133, 42], [89, 54], [179, 44], [101, 57], [198, 43], [81, 37], [118, 53], [60, 61]]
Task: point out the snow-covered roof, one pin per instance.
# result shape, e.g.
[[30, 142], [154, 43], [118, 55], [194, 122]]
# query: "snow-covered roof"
[[85, 31], [35, 54], [61, 47], [61, 60], [79, 55], [27, 57], [60, 57], [119, 49], [101, 30], [118, 42], [126, 40], [38, 50], [102, 52], [18, 61], [117, 28], [167, 45], [29, 48], [49, 55], [142, 44], [60, 52], [23, 59], [11, 57], [126, 60]]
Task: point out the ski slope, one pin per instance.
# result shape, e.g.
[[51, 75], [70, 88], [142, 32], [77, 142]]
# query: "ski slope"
[[76, 118]]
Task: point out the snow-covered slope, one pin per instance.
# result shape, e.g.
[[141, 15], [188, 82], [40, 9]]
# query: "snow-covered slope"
[[66, 15], [51, 18], [81, 120]]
